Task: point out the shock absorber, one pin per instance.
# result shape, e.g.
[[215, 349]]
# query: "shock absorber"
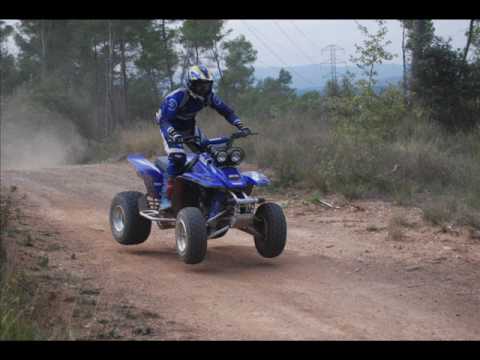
[[153, 203], [170, 183]]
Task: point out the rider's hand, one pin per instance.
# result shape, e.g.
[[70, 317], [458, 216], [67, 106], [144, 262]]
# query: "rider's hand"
[[244, 130]]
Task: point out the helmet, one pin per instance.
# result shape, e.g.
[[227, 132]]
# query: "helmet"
[[199, 81]]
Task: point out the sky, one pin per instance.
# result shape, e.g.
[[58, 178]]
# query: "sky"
[[300, 42]]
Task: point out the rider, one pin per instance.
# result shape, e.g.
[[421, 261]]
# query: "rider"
[[176, 119]]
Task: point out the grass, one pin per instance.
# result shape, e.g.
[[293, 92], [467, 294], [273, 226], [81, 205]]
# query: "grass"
[[15, 312], [395, 228], [400, 220], [15, 299]]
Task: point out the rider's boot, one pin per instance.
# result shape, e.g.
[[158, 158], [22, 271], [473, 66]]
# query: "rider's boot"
[[167, 191]]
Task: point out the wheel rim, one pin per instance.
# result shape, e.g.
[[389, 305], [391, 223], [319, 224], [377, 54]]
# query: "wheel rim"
[[181, 235], [118, 219]]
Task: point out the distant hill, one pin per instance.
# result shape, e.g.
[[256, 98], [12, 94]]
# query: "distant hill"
[[314, 77]]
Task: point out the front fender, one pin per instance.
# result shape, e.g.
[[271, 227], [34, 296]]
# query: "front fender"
[[255, 178], [202, 180]]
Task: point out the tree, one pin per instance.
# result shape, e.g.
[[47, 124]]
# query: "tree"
[[238, 75], [332, 88], [450, 87], [372, 51], [421, 34], [347, 87], [469, 40], [199, 37], [8, 69], [406, 24], [170, 55], [156, 55], [275, 95], [476, 39]]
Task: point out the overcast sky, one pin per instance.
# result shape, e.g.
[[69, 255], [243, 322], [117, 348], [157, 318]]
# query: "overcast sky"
[[300, 42]]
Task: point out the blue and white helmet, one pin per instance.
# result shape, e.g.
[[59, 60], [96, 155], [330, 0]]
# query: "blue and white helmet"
[[199, 81]]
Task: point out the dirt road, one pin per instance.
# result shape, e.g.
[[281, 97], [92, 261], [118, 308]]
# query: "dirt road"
[[342, 276]]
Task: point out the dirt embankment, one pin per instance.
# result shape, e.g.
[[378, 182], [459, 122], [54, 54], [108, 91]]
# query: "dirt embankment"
[[367, 270]]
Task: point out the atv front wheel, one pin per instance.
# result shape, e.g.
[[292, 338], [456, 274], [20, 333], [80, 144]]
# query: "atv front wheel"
[[270, 223], [128, 226], [191, 235]]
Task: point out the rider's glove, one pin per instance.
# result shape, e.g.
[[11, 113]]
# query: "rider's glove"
[[175, 137], [245, 130]]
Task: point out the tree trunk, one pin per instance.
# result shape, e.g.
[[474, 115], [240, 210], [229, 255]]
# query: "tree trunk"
[[154, 85], [370, 77], [469, 40], [111, 49], [124, 81], [419, 32], [216, 56], [186, 64], [167, 56], [1, 79], [415, 55], [404, 65], [43, 44], [108, 83], [96, 92], [106, 112]]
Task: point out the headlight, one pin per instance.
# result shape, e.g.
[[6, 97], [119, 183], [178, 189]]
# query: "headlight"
[[221, 156], [236, 155]]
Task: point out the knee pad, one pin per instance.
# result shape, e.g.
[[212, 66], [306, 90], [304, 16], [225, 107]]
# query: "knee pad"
[[176, 163]]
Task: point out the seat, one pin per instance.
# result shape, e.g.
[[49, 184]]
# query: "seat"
[[162, 162]]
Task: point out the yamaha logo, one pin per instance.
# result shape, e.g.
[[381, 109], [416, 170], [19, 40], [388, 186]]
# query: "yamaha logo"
[[216, 100], [172, 104]]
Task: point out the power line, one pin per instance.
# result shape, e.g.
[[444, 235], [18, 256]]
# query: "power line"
[[303, 34], [293, 42], [275, 54], [313, 43]]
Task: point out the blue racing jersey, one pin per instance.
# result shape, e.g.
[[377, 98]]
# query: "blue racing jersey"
[[179, 108]]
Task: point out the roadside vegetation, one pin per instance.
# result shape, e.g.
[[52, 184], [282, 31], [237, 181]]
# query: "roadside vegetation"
[[16, 321], [416, 143]]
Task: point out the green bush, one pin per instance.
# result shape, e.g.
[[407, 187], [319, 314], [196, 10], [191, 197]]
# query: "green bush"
[[363, 145]]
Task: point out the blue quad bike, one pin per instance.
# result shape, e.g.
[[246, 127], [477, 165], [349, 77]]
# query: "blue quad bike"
[[210, 197]]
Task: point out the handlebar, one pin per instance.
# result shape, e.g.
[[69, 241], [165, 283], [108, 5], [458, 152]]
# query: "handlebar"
[[221, 140], [193, 138]]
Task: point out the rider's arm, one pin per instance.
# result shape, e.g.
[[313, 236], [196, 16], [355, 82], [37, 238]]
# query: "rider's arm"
[[168, 111], [223, 109]]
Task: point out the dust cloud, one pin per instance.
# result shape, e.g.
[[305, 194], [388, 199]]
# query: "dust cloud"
[[34, 137]]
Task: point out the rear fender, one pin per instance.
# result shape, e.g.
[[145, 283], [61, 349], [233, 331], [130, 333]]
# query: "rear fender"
[[152, 176]]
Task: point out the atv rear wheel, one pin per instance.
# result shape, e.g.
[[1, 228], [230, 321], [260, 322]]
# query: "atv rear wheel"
[[128, 226], [191, 235], [270, 222]]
